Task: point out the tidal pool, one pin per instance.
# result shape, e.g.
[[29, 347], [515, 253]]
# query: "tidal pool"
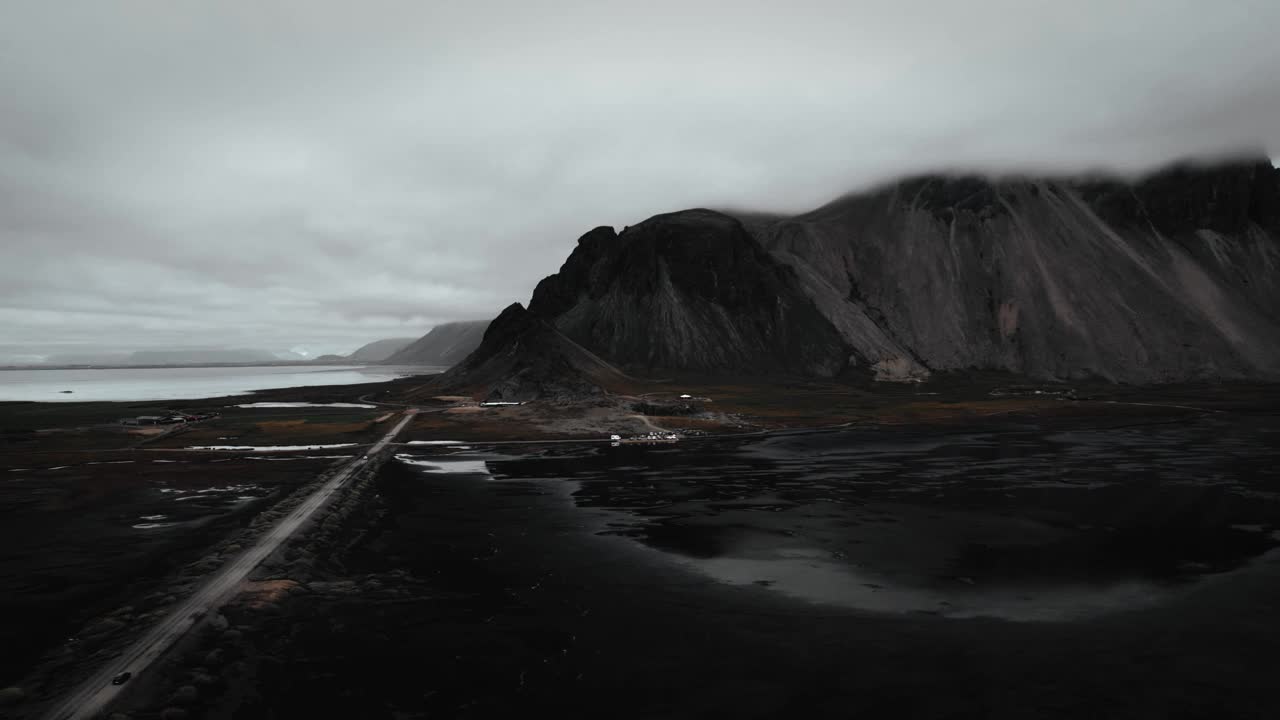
[[1014, 522]]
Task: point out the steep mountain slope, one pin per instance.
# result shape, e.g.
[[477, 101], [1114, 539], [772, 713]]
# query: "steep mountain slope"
[[688, 290], [1174, 277], [445, 345], [379, 350], [521, 357], [374, 352]]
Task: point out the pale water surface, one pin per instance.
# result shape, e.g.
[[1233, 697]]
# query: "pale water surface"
[[1011, 520], [179, 383]]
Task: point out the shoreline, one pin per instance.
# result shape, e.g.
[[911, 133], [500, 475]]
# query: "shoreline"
[[538, 590], [76, 472]]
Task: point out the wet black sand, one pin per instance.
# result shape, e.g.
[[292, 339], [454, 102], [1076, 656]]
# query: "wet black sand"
[[1019, 568], [90, 523], [92, 537]]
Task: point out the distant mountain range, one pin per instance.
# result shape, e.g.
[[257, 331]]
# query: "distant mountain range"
[[445, 345], [374, 352], [1173, 277], [523, 357], [185, 356]]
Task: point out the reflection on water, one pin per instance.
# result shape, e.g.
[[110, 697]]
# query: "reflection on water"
[[446, 465], [837, 584], [183, 506], [813, 575], [1017, 523], [272, 448], [286, 458], [218, 495], [178, 383], [305, 405]]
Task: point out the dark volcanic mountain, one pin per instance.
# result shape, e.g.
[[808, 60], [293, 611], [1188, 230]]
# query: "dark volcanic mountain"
[[522, 358], [1170, 278], [445, 345], [688, 290]]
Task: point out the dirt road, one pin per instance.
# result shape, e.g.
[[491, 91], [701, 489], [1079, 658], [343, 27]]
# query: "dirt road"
[[93, 695]]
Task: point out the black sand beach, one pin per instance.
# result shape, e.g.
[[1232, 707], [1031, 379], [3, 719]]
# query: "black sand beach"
[[1025, 567]]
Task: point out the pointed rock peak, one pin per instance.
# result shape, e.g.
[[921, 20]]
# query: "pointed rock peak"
[[689, 290], [515, 312], [524, 358], [512, 323], [604, 233]]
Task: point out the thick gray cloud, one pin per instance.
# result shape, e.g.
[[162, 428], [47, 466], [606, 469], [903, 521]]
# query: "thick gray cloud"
[[305, 173]]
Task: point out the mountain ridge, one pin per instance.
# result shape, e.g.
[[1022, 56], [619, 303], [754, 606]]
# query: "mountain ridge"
[[1170, 277], [371, 352], [688, 290], [522, 357], [444, 345], [998, 273]]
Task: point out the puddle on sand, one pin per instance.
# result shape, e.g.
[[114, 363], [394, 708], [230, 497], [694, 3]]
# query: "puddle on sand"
[[228, 489], [810, 574], [288, 458], [305, 405], [216, 495], [270, 448], [152, 522], [446, 465], [950, 563], [1019, 524]]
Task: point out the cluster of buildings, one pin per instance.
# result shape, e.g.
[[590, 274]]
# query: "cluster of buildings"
[[171, 418], [650, 438]]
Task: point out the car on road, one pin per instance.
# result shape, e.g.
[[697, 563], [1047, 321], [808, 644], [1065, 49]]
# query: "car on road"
[[122, 678]]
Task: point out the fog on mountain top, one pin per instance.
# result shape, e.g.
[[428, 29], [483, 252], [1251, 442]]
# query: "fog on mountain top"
[[325, 174]]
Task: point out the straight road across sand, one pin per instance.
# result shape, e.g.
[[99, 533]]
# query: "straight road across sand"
[[93, 695]]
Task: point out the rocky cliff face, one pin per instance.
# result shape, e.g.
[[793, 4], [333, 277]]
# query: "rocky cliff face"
[[446, 345], [689, 290], [521, 357], [1172, 278]]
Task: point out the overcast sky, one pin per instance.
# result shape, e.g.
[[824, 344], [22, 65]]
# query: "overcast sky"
[[317, 174]]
